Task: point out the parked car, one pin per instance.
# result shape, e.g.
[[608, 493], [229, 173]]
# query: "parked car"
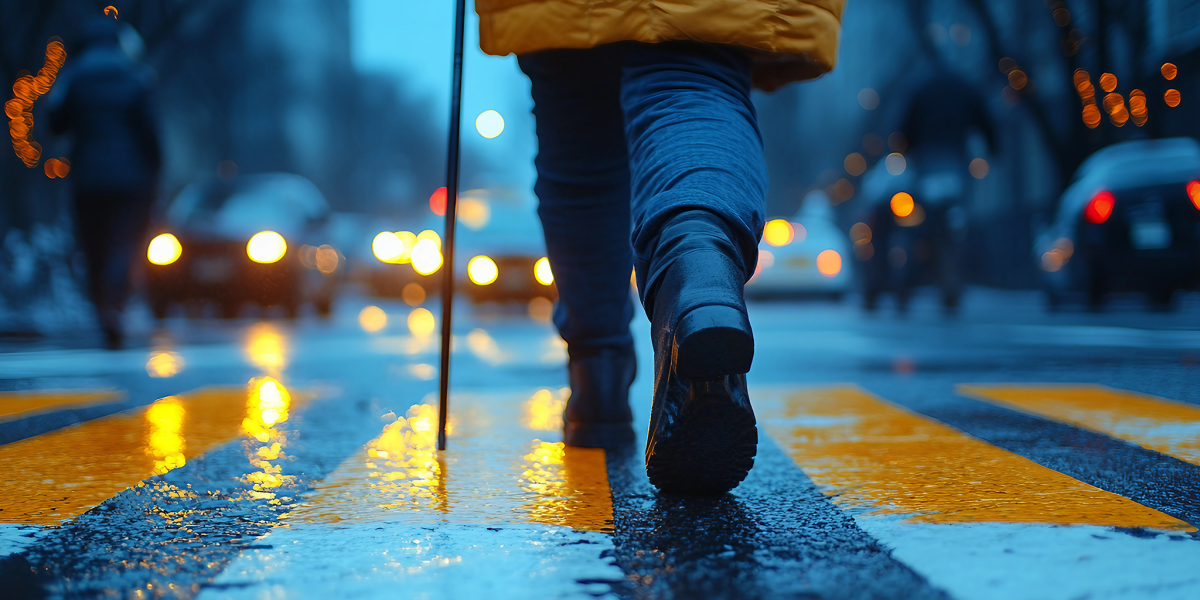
[[253, 239], [503, 257], [805, 256], [1128, 222]]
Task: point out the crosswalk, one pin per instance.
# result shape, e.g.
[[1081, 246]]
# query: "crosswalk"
[[953, 507]]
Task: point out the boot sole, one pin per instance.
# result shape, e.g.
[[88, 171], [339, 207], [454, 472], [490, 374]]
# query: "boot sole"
[[713, 445], [713, 341]]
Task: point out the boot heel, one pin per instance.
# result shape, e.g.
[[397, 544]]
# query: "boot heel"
[[713, 341]]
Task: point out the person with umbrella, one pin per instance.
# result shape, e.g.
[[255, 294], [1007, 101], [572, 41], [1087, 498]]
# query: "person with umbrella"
[[650, 156]]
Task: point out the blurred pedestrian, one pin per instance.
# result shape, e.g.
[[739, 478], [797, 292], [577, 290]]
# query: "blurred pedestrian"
[[650, 156], [103, 100], [942, 115]]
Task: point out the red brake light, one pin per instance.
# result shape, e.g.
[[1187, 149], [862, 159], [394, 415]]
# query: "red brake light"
[[1099, 207], [1193, 190]]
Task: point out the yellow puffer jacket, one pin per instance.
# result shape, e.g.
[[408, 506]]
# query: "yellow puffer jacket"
[[789, 39]]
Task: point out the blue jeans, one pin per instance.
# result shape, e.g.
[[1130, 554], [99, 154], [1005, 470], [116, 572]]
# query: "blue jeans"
[[645, 152]]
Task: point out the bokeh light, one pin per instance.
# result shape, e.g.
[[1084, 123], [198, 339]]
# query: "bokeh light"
[[1172, 97], [902, 204], [426, 257], [413, 294], [163, 364], [778, 232], [542, 272], [978, 168], [1169, 70], [327, 259], [429, 234], [1099, 207], [895, 163], [110, 11], [57, 167], [437, 201], [1091, 116], [489, 124], [482, 270], [421, 322], [829, 263], [868, 99], [1193, 192], [164, 249], [860, 233], [855, 164], [266, 247], [1108, 82], [26, 90], [387, 247], [1017, 79], [372, 319]]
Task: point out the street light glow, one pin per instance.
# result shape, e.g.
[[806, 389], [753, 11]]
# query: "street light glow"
[[489, 124]]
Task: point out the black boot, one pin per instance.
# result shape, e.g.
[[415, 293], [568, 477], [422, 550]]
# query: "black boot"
[[703, 436], [597, 413]]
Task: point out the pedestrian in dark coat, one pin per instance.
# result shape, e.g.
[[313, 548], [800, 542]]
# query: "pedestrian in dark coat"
[[649, 155], [102, 100]]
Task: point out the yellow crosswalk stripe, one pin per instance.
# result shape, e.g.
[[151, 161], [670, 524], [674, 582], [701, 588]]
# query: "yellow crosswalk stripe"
[[497, 469], [1159, 424], [64, 473], [18, 405], [877, 457]]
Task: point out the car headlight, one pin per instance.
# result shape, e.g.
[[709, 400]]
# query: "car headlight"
[[541, 271], [164, 249], [482, 270], [266, 247]]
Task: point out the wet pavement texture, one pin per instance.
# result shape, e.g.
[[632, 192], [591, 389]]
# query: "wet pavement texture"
[[1003, 452]]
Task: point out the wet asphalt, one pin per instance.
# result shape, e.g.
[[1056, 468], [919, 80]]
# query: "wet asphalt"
[[204, 529]]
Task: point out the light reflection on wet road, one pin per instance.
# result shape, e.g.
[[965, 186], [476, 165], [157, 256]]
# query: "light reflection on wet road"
[[262, 459]]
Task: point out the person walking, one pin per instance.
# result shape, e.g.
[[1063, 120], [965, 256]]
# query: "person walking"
[[102, 99], [649, 154]]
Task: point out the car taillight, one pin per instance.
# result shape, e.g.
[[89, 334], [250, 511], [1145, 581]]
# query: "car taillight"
[[1099, 208], [1193, 191]]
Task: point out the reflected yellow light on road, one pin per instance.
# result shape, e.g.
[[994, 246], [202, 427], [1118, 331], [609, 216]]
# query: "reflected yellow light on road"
[[570, 486], [482, 270], [829, 263], [426, 257], [778, 232], [266, 247], [543, 411], [267, 405], [372, 319], [266, 347], [165, 443], [542, 272], [902, 204], [164, 249], [163, 364], [387, 247], [421, 322]]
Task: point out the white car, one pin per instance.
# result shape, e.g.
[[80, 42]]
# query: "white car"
[[805, 256]]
